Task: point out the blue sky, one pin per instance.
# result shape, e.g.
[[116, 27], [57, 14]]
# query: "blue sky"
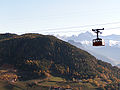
[[53, 16]]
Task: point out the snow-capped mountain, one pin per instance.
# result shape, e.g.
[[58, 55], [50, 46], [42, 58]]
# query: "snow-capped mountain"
[[81, 37], [110, 52], [87, 37]]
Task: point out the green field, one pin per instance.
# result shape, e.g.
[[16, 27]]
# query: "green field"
[[45, 84]]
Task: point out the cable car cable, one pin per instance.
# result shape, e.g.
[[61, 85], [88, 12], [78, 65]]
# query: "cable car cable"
[[77, 27]]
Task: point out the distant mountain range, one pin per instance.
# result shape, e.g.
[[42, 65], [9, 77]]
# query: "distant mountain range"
[[110, 52]]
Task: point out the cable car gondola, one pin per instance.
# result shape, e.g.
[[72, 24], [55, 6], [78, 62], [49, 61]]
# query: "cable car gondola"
[[98, 41]]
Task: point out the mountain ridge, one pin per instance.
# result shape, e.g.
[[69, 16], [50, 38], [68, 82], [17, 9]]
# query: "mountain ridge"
[[34, 54]]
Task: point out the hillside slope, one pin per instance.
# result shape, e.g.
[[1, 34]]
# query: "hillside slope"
[[34, 55]]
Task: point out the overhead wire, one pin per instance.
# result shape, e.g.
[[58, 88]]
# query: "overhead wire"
[[112, 28], [54, 30], [80, 30]]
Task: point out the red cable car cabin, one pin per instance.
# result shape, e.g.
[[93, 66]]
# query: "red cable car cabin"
[[98, 42]]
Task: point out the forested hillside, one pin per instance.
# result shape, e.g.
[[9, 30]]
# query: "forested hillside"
[[35, 55]]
